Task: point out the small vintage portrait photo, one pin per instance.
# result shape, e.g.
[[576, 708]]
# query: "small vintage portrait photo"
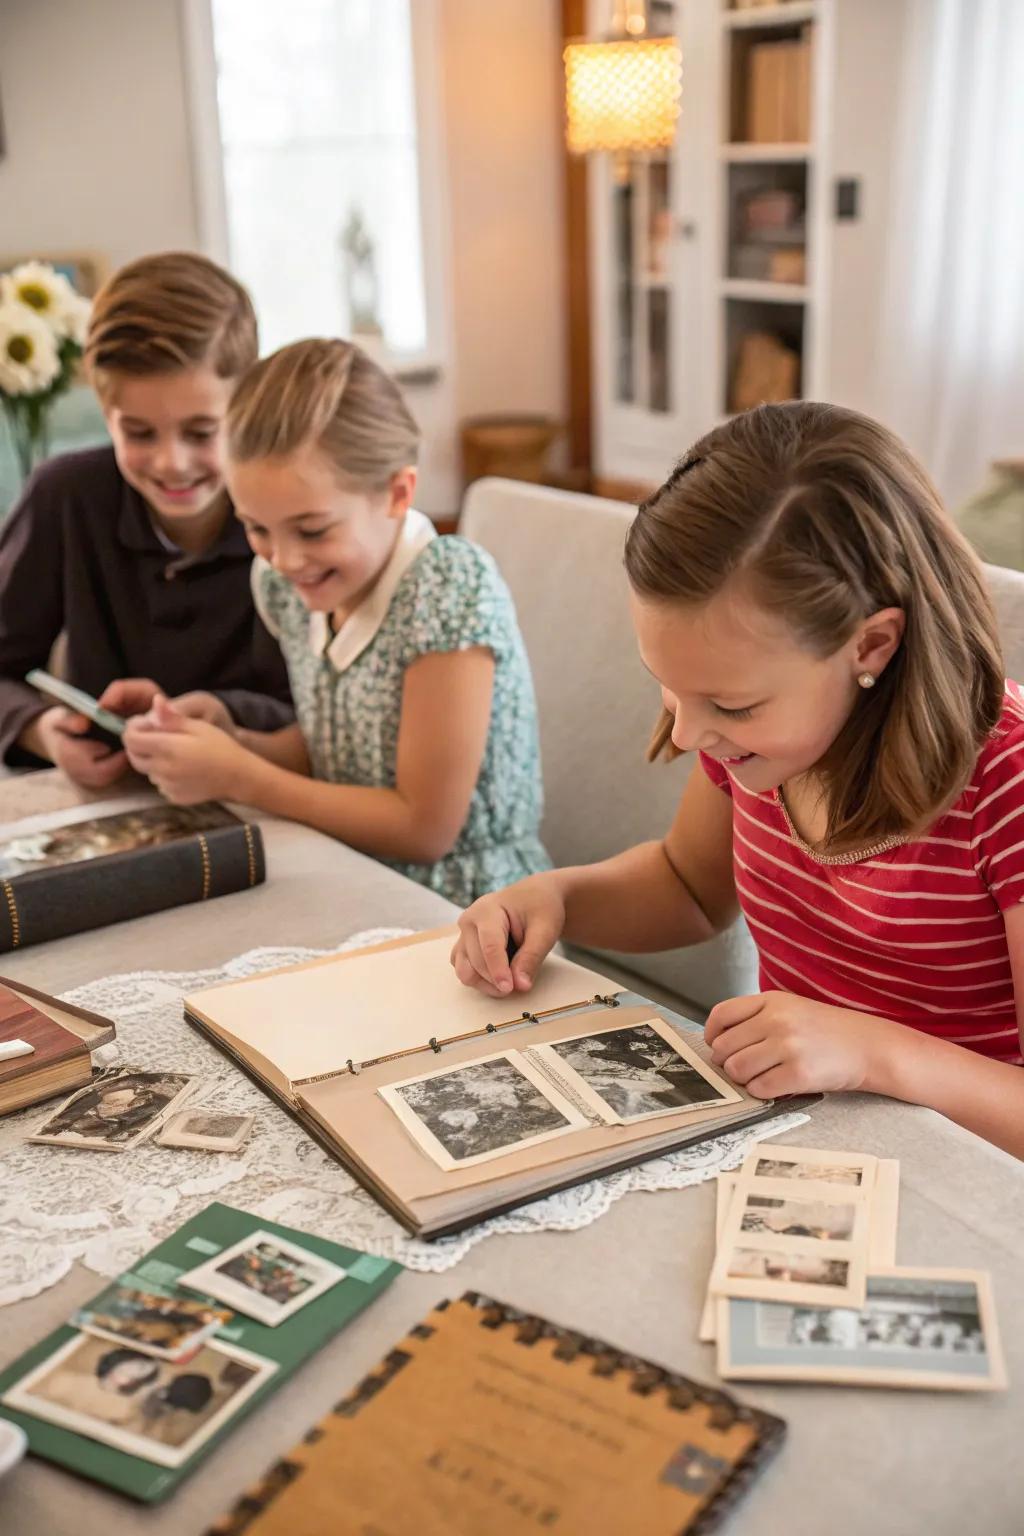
[[119, 1108], [264, 1277], [168, 1327], [150, 1408], [819, 1173], [917, 1328], [484, 1109], [209, 1130], [125, 832], [792, 1268], [799, 1218], [638, 1071]]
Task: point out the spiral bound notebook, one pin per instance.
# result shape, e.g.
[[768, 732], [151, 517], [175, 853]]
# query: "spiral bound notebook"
[[487, 1419]]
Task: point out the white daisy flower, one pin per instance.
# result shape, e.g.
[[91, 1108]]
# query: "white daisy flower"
[[29, 360], [47, 293]]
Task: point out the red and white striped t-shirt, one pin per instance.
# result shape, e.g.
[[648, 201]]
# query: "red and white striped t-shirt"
[[915, 934]]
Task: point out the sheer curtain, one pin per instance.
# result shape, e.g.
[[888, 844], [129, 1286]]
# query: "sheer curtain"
[[951, 356]]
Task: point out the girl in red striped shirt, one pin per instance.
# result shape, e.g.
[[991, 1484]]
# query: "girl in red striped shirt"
[[824, 639]]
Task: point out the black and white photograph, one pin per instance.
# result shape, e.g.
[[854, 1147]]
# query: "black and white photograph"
[[816, 1172], [264, 1277], [126, 832], [634, 1072], [789, 1268], [150, 1408], [120, 1108], [799, 1218], [929, 1328], [207, 1130], [484, 1109]]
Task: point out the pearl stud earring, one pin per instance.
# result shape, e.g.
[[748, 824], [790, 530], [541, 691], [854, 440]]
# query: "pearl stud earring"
[[866, 680]]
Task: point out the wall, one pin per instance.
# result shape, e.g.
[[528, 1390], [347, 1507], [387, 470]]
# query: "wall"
[[96, 108], [868, 63], [93, 103], [503, 114]]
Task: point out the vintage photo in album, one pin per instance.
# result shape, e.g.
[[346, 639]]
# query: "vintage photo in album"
[[624, 1074], [484, 1109]]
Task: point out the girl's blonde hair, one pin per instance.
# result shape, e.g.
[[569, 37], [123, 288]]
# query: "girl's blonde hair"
[[828, 519], [331, 394], [162, 313]]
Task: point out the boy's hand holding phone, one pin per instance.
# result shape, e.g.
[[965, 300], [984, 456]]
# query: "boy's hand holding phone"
[[59, 735]]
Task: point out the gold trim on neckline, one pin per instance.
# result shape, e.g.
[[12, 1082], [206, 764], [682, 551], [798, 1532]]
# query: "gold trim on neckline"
[[858, 857]]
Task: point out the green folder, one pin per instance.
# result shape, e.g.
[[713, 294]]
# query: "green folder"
[[288, 1344]]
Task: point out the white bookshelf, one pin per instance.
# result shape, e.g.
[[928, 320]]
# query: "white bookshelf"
[[709, 292], [704, 297]]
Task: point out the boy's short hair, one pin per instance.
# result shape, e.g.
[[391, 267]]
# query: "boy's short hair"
[[175, 310]]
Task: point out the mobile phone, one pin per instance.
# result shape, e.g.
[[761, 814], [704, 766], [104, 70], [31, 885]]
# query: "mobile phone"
[[106, 726]]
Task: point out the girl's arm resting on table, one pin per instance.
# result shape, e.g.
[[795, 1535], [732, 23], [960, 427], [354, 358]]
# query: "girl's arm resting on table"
[[777, 1043], [446, 712], [982, 1095], [659, 895]]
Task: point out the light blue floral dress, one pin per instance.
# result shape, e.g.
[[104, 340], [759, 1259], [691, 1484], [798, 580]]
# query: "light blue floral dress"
[[449, 598]]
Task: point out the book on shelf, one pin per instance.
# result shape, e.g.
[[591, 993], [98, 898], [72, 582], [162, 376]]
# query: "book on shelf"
[[778, 90], [486, 1418], [61, 1038], [103, 1395], [71, 870], [450, 1107]]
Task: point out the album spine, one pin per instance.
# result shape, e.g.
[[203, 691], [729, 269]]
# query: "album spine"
[[435, 1046], [94, 893]]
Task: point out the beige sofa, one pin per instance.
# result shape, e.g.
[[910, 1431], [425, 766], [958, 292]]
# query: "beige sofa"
[[561, 555]]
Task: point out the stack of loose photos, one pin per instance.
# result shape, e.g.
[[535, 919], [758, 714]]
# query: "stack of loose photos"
[[124, 1106], [170, 1356], [805, 1286]]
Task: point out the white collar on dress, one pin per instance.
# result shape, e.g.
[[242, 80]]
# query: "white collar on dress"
[[363, 623]]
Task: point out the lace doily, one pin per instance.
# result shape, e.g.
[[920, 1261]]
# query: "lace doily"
[[106, 1209]]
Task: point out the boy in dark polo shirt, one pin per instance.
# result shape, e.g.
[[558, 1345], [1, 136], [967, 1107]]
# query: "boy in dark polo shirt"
[[133, 551]]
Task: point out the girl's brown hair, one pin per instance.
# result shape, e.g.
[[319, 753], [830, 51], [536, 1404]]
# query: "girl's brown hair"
[[176, 310], [828, 519], [331, 394]]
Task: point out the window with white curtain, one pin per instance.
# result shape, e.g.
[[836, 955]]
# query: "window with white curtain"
[[317, 112]]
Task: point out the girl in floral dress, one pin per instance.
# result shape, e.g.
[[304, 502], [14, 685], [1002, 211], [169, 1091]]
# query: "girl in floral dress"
[[416, 734]]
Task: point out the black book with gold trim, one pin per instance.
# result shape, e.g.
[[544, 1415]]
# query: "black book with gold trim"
[[451, 1107], [71, 870], [488, 1419]]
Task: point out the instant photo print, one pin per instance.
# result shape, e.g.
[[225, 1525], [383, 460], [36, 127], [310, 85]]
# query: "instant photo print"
[[265, 1277]]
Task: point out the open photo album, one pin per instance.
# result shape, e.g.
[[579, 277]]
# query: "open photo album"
[[450, 1107]]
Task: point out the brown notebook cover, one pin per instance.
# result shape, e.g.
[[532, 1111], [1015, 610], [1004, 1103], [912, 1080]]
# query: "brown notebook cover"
[[488, 1420], [61, 1036]]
